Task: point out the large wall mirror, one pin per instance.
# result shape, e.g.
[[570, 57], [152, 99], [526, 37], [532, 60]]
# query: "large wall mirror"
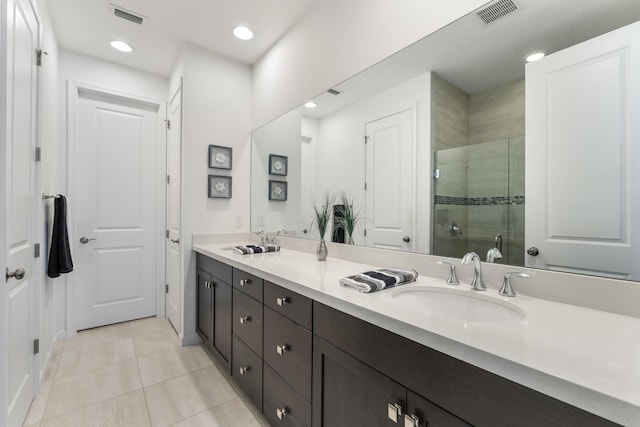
[[431, 144]]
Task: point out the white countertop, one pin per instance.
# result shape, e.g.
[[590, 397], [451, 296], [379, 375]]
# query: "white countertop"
[[585, 357]]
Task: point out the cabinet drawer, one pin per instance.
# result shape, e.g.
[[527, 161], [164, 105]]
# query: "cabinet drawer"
[[247, 320], [248, 283], [287, 349], [247, 371], [427, 414], [283, 406], [290, 304], [214, 267]]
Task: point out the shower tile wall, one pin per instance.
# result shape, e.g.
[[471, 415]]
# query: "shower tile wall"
[[489, 166]]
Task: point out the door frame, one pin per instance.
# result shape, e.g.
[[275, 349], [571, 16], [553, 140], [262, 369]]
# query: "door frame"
[[413, 108], [73, 89]]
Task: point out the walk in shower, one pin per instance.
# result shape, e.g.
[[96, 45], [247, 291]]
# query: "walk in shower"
[[479, 200]]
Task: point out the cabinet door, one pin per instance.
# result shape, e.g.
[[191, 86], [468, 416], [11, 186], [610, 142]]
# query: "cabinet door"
[[204, 324], [351, 394], [222, 319], [422, 413]]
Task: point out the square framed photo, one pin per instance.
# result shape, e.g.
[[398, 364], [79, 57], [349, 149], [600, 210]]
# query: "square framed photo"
[[220, 157], [219, 187], [278, 164], [278, 191]]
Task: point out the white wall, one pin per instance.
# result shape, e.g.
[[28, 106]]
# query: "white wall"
[[335, 40], [216, 110], [340, 149]]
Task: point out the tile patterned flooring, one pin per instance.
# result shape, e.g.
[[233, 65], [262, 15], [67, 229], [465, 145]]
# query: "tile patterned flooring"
[[136, 374]]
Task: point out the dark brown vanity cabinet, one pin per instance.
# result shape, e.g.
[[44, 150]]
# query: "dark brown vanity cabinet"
[[303, 363], [213, 323]]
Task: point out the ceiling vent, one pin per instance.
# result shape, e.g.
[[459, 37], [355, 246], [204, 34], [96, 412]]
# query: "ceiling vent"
[[497, 10], [127, 15], [333, 91]]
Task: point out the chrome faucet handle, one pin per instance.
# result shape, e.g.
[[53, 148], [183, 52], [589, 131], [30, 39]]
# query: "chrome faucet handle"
[[476, 283], [507, 290], [493, 254], [452, 279]]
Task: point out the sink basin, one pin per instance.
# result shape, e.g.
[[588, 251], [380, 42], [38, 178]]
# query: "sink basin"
[[468, 306]]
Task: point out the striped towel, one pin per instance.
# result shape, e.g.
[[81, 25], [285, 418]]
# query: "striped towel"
[[371, 281], [254, 249]]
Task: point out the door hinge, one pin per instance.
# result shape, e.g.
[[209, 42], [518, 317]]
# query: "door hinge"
[[39, 53], [166, 233], [168, 124], [365, 232], [365, 186], [168, 179], [436, 173], [166, 288], [366, 139], [36, 250], [38, 154], [36, 346]]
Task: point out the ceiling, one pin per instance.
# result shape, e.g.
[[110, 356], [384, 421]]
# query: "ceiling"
[[87, 26]]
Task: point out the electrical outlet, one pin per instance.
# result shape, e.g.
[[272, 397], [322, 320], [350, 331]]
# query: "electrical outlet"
[[237, 220]]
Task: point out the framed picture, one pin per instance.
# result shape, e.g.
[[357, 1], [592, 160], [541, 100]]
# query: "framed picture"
[[278, 191], [219, 187], [277, 165], [220, 157]]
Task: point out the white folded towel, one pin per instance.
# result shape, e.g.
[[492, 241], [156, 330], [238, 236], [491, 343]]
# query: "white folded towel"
[[255, 249], [371, 281]]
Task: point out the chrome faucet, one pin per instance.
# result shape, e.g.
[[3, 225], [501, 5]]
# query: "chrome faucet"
[[476, 283], [452, 279], [507, 290], [493, 254]]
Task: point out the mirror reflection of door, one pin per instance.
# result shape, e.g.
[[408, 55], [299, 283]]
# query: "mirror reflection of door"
[[390, 201]]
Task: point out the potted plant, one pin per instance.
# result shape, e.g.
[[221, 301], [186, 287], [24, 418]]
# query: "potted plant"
[[322, 219], [349, 217]]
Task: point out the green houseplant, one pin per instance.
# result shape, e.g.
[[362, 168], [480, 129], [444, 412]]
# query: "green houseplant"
[[349, 216], [322, 219]]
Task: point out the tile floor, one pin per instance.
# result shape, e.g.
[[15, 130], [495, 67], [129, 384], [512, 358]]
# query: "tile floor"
[[136, 374]]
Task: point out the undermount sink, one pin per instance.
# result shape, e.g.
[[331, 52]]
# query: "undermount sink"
[[468, 306]]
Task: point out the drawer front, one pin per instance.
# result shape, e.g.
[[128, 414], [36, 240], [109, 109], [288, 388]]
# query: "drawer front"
[[214, 267], [283, 406], [248, 283], [290, 304], [247, 320], [247, 371], [287, 349]]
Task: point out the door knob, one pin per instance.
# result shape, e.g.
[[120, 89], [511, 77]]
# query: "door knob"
[[85, 240], [533, 251], [406, 239], [18, 274], [176, 241]]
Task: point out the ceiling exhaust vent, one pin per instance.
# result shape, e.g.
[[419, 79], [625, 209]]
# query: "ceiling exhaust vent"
[[333, 91], [497, 10], [127, 15]]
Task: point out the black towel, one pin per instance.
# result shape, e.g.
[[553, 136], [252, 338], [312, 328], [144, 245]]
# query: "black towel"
[[60, 253]]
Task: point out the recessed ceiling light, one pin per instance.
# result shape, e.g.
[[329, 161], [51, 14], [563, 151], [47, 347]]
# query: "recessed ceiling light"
[[121, 46], [535, 56], [311, 104], [243, 33]]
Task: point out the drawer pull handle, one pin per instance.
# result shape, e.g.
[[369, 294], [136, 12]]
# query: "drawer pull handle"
[[282, 349], [411, 421], [245, 319], [209, 285], [244, 370], [282, 412], [282, 301], [244, 282], [394, 411]]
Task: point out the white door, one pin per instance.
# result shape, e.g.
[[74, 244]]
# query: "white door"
[[21, 125], [390, 201], [583, 152], [172, 242], [114, 198]]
